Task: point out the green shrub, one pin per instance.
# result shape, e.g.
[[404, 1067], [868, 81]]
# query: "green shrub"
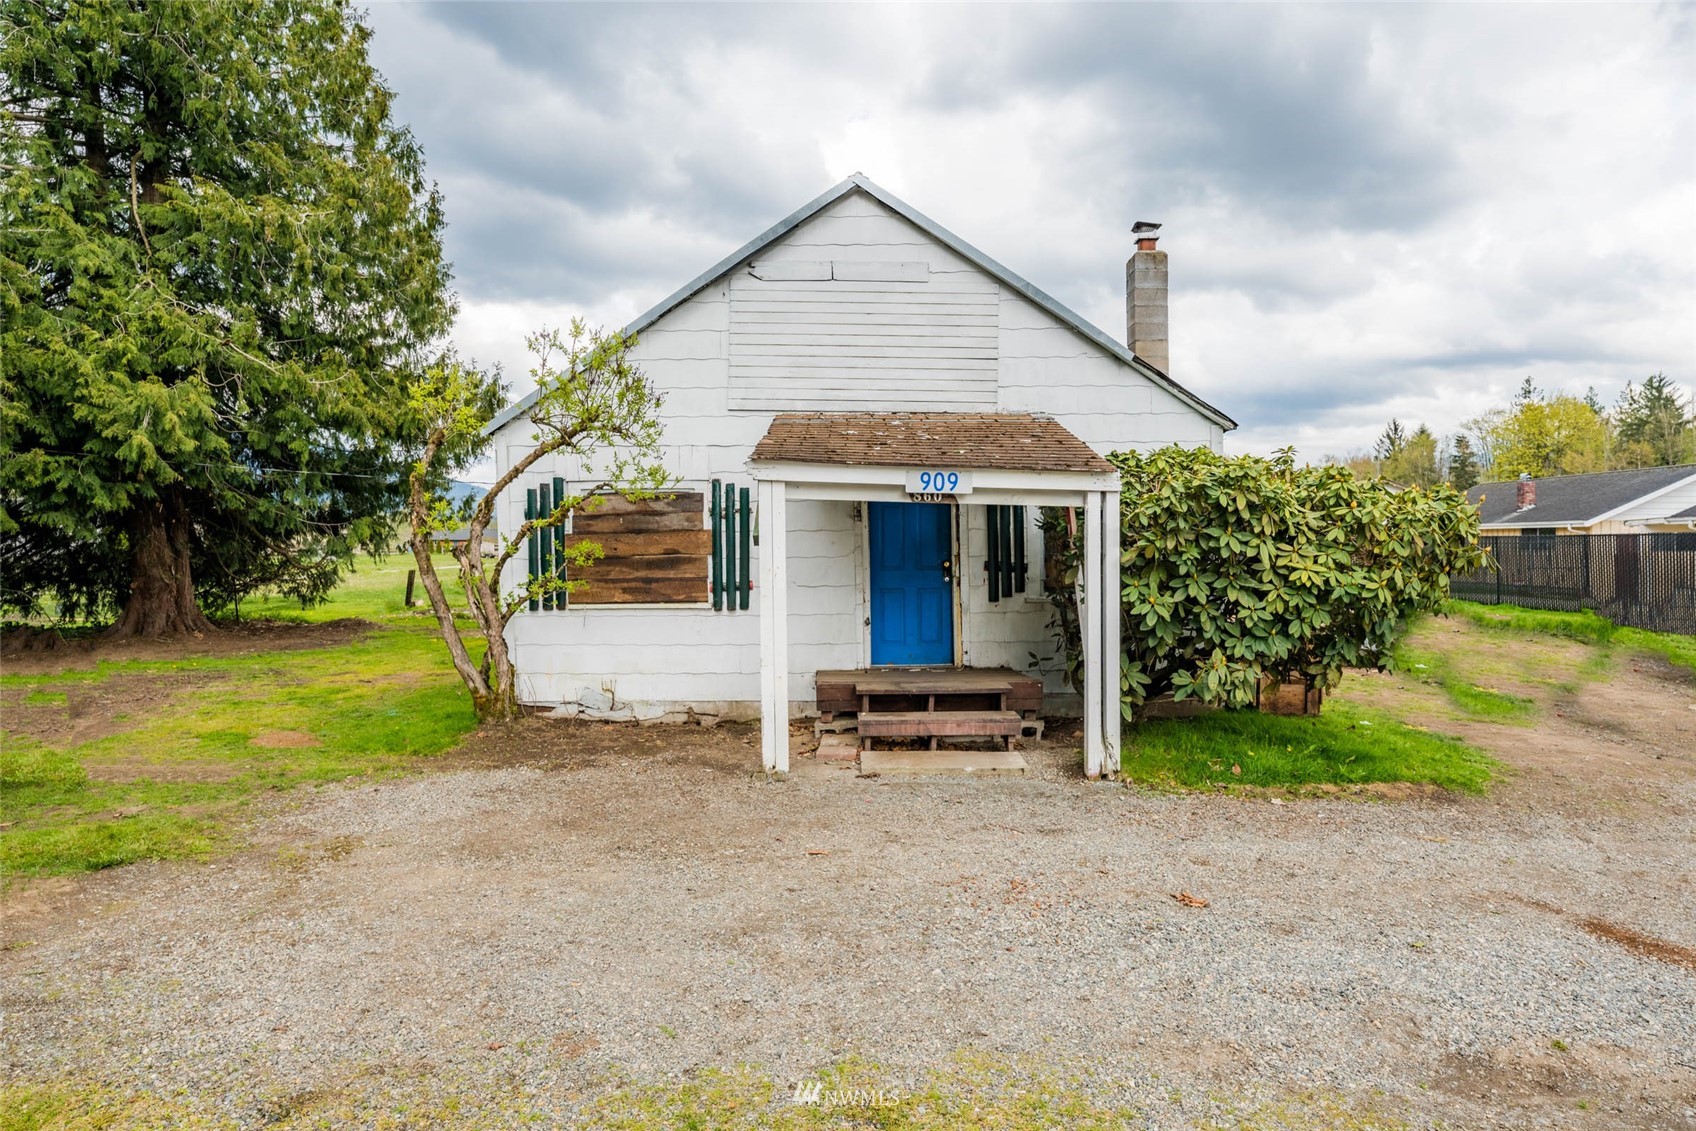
[[1235, 567]]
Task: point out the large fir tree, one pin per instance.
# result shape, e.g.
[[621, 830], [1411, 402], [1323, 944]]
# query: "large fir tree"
[[219, 266]]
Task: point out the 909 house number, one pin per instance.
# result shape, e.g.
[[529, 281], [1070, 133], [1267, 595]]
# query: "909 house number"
[[933, 485]]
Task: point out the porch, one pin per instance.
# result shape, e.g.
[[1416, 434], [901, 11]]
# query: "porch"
[[914, 477]]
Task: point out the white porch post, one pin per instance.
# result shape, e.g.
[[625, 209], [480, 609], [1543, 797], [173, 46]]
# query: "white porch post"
[[774, 627], [1089, 627], [1111, 646]]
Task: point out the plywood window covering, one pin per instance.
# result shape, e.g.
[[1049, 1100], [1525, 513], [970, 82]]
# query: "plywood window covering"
[[732, 538], [656, 551], [1005, 562]]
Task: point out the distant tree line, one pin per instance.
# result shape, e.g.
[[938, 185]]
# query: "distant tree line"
[[1541, 434]]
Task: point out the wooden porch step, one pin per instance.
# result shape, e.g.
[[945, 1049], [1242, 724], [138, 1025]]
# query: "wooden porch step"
[[875, 763], [939, 724]]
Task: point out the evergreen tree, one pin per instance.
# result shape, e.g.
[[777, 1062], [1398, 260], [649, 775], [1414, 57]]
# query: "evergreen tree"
[[1414, 463], [1655, 424], [1463, 464], [220, 265], [1390, 442]]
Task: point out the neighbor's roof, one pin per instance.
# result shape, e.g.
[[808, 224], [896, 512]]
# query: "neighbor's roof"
[[1000, 441], [1688, 512], [954, 243], [1576, 500]]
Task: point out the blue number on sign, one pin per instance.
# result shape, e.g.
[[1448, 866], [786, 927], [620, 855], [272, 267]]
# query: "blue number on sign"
[[953, 480]]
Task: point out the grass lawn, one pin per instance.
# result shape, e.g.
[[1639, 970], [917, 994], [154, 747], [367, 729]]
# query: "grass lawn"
[[1586, 627], [156, 759], [966, 1090], [1344, 745]]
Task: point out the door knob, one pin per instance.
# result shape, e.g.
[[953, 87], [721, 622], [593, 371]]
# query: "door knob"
[[948, 570]]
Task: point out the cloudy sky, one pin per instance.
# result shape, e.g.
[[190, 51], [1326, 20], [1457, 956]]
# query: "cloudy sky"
[[1371, 211]]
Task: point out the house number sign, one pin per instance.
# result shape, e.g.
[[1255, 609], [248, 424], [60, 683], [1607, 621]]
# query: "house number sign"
[[935, 484]]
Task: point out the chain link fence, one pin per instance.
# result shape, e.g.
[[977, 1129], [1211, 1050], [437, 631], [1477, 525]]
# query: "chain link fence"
[[1643, 580]]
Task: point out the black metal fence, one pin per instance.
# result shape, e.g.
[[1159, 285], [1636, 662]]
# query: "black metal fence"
[[1644, 580]]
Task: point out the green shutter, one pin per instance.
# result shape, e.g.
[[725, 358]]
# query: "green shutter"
[[729, 546], [747, 532], [544, 508], [715, 515], [1020, 567], [559, 544], [534, 549]]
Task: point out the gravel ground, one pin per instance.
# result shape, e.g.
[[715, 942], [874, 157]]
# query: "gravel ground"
[[643, 914]]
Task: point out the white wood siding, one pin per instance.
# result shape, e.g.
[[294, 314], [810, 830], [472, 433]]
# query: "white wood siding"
[[1046, 366], [1682, 497], [897, 321], [744, 348]]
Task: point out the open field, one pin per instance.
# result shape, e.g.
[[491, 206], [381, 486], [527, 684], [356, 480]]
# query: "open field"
[[138, 751], [617, 926]]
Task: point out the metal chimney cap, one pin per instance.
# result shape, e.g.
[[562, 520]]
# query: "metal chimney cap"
[[1142, 226]]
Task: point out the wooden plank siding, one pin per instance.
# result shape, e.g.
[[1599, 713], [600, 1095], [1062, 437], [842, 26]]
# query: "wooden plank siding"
[[656, 551], [878, 335]]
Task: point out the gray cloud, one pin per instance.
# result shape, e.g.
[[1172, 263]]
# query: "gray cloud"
[[1371, 210], [1252, 102]]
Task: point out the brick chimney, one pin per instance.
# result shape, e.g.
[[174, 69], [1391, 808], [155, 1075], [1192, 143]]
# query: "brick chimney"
[[1527, 491], [1145, 299]]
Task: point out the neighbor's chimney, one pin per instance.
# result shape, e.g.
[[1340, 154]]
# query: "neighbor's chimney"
[[1145, 299], [1527, 491]]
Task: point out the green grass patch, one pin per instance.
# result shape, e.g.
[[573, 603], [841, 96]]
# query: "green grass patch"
[[967, 1090], [1345, 745], [1472, 698], [1585, 627], [173, 780], [372, 589]]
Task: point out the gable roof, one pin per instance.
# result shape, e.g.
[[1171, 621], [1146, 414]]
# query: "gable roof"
[[952, 242], [1002, 441], [1574, 500]]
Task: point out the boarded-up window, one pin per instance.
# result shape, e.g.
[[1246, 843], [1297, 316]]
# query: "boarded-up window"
[[657, 551]]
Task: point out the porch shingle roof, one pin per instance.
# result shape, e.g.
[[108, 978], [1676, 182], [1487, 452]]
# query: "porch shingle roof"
[[1001, 441]]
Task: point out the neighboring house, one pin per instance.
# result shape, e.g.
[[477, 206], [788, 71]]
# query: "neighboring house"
[[865, 414], [1649, 499]]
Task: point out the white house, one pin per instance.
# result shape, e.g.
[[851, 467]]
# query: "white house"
[[864, 413], [1635, 501]]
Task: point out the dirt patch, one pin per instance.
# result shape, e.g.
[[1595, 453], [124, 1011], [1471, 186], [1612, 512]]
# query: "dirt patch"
[[285, 739], [1562, 1078], [577, 744], [1631, 939], [1598, 741], [70, 714], [42, 652], [1639, 943]]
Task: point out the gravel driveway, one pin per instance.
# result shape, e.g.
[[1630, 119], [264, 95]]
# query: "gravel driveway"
[[641, 910]]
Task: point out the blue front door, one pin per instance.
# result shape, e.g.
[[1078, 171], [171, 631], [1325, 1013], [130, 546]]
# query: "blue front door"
[[912, 583]]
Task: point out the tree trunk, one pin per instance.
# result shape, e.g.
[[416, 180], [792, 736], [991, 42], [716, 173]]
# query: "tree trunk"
[[161, 600], [500, 705]]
